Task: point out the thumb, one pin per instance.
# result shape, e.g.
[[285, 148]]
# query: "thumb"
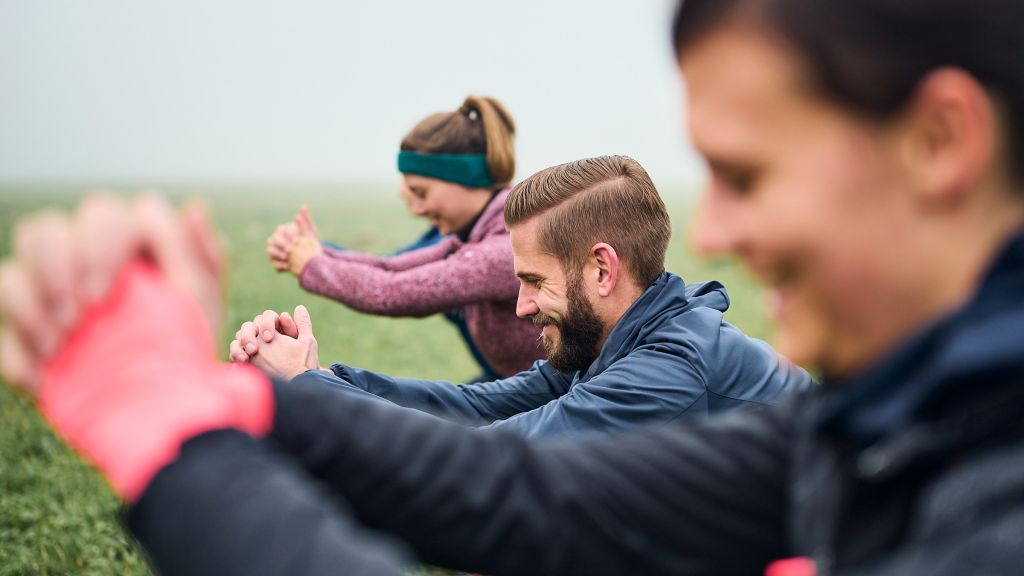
[[286, 325], [305, 221], [303, 322], [302, 220]]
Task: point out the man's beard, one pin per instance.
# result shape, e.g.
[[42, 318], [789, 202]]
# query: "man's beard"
[[580, 330]]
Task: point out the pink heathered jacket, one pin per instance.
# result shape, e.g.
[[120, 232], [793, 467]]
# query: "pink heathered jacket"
[[477, 276]]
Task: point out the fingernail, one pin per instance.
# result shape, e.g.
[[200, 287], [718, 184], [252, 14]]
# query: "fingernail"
[[250, 348], [267, 336]]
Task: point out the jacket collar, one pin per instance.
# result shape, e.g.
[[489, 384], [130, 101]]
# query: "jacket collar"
[[668, 295], [978, 344]]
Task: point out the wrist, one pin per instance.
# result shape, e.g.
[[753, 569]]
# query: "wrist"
[[126, 396], [298, 264]]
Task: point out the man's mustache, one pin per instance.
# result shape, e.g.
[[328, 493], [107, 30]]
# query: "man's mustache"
[[542, 320]]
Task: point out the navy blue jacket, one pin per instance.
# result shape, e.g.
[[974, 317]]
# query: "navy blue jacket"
[[670, 356]]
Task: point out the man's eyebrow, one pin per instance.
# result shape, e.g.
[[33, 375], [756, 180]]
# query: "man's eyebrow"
[[528, 276]]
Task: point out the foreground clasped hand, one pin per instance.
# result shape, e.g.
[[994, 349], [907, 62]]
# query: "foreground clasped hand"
[[63, 264], [88, 301], [279, 344]]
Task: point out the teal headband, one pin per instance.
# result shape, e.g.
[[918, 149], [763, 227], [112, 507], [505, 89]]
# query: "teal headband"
[[469, 170]]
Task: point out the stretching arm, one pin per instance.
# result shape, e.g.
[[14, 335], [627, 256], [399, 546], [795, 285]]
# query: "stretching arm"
[[476, 405], [700, 500], [231, 504], [397, 262], [475, 273]]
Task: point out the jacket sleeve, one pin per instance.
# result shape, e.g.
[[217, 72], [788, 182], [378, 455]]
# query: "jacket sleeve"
[[233, 505], [398, 262], [476, 272], [673, 500], [653, 384], [473, 405]]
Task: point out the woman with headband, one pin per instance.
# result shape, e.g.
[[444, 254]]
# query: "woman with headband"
[[456, 168]]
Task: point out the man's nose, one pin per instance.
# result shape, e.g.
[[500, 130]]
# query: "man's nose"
[[525, 305]]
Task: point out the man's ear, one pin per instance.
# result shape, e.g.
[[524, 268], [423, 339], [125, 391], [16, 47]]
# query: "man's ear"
[[948, 136], [606, 266]]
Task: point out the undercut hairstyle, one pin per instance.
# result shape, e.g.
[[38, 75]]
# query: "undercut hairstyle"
[[607, 199], [481, 125], [870, 55]]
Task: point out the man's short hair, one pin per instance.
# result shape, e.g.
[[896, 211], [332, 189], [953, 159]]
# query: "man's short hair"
[[605, 199]]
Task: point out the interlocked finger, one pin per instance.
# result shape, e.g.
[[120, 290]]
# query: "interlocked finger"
[[107, 239], [266, 324], [47, 250], [17, 364], [24, 311], [248, 339]]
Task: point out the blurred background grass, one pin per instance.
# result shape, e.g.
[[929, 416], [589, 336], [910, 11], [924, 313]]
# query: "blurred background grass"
[[56, 515]]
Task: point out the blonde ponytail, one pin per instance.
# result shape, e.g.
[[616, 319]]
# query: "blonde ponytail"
[[499, 135]]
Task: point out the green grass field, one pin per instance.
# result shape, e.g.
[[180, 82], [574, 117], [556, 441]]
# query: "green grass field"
[[56, 515]]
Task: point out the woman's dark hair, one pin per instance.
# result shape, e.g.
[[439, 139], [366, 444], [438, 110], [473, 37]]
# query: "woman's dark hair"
[[870, 55]]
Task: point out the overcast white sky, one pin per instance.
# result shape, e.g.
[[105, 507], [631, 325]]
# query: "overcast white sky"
[[111, 90]]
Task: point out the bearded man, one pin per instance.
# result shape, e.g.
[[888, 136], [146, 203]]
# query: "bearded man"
[[628, 343]]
